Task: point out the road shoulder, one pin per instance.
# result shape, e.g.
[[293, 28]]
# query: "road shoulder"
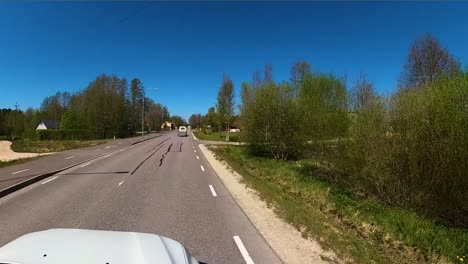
[[285, 240]]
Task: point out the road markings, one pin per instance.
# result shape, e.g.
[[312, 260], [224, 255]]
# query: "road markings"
[[121, 150], [195, 151], [198, 157], [203, 169], [97, 149], [16, 172], [119, 143], [71, 157], [243, 251], [213, 192], [106, 156], [120, 183], [49, 180], [193, 146], [86, 164]]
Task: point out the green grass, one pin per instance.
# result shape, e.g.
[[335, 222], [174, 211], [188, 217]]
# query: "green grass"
[[233, 137], [34, 146], [357, 229], [15, 162]]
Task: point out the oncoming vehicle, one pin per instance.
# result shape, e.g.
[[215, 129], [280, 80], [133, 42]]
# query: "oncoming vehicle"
[[78, 246], [182, 131]]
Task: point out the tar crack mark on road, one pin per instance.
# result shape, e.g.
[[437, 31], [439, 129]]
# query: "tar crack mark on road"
[[164, 155], [146, 159]]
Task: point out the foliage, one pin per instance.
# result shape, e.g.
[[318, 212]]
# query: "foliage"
[[106, 107], [357, 228], [271, 121], [427, 61], [65, 134]]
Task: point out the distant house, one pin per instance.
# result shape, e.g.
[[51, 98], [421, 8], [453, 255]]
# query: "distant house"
[[167, 126], [48, 124], [235, 124]]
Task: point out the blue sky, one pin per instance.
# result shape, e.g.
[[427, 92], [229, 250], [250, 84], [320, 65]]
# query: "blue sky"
[[183, 49]]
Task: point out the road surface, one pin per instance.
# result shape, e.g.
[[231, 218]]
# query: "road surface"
[[163, 186]]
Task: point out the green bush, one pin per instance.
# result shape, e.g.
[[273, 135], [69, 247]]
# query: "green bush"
[[65, 134], [418, 158]]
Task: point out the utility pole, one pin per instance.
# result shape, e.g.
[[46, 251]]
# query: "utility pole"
[[14, 120], [143, 114]]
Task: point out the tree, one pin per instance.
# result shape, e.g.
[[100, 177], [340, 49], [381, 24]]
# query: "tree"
[[268, 74], [298, 72], [211, 118], [362, 95], [427, 61], [225, 104]]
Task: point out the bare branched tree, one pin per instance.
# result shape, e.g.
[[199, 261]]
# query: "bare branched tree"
[[427, 61], [299, 71], [362, 95]]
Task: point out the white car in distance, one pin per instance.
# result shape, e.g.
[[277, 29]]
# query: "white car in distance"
[[182, 131]]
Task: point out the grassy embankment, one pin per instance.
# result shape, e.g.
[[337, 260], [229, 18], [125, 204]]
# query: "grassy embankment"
[[34, 146], [359, 230], [215, 136]]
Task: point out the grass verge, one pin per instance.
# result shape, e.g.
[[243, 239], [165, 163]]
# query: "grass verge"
[[358, 230], [15, 162], [33, 146], [215, 136]]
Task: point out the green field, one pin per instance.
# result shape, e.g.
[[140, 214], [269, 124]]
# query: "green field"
[[354, 228], [215, 136], [34, 146]]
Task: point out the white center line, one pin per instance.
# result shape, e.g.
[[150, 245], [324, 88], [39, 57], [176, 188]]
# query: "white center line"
[[86, 164], [71, 157], [120, 183], [212, 191], [19, 171], [203, 169], [243, 251], [198, 157], [49, 180], [97, 149]]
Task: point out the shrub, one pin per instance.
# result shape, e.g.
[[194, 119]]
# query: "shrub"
[[65, 134]]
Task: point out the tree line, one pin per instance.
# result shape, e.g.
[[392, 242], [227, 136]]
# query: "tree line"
[[109, 106], [406, 149]]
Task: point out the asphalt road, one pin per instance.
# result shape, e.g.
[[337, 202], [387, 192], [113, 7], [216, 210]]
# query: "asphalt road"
[[163, 186]]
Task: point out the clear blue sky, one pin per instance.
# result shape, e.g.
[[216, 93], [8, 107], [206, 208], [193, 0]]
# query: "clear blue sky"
[[184, 48]]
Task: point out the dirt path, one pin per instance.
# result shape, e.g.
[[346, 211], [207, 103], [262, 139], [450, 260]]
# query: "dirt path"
[[285, 240], [6, 154]]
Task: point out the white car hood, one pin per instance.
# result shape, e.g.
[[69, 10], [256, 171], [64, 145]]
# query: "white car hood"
[[80, 246]]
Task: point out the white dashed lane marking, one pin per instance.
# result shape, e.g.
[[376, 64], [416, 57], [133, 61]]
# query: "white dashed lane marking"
[[243, 251], [86, 164], [16, 172], [71, 157], [49, 180], [213, 192], [201, 167], [198, 157]]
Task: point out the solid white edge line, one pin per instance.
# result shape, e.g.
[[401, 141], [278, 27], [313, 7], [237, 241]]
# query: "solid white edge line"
[[49, 180], [71, 157], [198, 157], [84, 165], [213, 192], [201, 167], [19, 171], [243, 251]]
